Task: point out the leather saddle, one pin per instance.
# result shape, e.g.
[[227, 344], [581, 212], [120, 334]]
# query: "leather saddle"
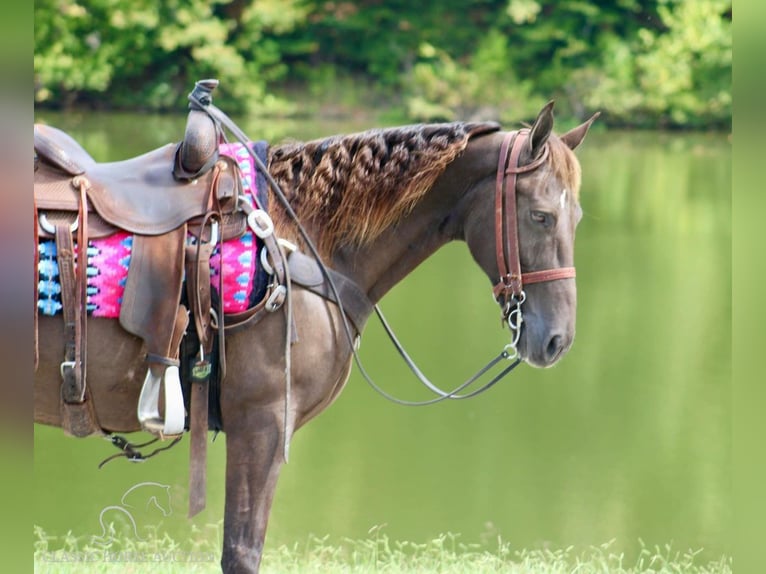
[[142, 195], [160, 197]]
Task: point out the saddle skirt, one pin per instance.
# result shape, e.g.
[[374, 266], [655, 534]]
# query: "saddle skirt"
[[108, 258]]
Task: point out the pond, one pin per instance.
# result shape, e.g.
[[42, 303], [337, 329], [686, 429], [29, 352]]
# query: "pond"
[[628, 438]]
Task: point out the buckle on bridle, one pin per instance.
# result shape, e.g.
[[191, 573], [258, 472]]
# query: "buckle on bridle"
[[510, 289], [513, 316]]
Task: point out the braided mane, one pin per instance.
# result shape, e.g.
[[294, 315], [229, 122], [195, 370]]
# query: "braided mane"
[[351, 188]]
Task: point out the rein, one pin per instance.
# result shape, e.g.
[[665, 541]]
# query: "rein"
[[511, 278]]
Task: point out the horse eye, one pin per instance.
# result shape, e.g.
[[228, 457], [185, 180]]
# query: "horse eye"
[[541, 218]]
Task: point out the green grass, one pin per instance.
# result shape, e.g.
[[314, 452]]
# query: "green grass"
[[377, 554]]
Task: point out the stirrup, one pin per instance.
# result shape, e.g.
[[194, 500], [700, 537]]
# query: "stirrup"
[[148, 404]]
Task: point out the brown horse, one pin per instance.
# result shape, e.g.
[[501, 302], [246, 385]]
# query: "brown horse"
[[376, 204]]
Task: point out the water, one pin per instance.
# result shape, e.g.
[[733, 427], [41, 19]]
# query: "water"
[[627, 438]]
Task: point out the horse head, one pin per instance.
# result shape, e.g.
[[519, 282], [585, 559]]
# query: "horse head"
[[524, 238]]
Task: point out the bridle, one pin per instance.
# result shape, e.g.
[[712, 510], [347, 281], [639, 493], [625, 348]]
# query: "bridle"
[[508, 261], [509, 290]]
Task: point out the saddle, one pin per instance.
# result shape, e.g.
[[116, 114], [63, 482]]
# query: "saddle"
[[161, 197]]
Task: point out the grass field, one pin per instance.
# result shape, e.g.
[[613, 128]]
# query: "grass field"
[[377, 554]]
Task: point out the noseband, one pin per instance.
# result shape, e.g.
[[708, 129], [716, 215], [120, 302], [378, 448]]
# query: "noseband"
[[510, 287]]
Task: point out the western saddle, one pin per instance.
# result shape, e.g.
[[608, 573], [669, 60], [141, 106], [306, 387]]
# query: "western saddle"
[[164, 198]]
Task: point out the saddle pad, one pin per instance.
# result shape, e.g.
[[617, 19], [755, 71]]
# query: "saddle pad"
[[109, 259]]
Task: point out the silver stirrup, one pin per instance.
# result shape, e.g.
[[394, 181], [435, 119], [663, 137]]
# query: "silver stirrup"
[[148, 404]]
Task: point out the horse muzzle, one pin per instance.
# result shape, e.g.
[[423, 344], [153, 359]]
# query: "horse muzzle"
[[540, 345]]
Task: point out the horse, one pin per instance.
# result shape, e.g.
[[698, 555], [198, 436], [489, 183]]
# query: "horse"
[[376, 204]]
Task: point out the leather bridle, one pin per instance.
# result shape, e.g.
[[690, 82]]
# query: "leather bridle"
[[510, 286], [509, 290]]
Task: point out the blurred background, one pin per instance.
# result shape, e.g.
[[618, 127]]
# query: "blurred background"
[[648, 63], [628, 438]]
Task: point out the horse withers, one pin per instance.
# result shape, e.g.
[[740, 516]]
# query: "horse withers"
[[375, 204]]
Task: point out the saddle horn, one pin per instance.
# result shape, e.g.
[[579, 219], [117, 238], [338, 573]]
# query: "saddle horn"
[[199, 149]]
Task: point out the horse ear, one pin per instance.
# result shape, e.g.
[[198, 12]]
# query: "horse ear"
[[541, 130], [574, 137]]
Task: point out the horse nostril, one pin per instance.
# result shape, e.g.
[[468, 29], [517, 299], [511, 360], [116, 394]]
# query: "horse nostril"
[[554, 347]]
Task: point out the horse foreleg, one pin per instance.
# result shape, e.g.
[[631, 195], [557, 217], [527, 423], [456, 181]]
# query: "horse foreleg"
[[253, 462]]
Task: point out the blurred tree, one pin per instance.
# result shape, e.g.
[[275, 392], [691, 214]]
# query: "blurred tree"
[[487, 87], [678, 75], [644, 62], [147, 54]]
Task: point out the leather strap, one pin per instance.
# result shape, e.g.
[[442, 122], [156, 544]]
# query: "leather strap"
[[179, 330], [234, 322], [198, 289], [549, 275], [512, 280], [81, 348], [198, 427], [511, 219], [80, 419], [305, 272], [78, 416], [74, 295], [502, 239], [65, 260], [37, 276]]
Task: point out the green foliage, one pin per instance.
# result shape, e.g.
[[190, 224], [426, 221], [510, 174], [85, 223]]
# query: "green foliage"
[[442, 89], [680, 76], [444, 554], [646, 63], [144, 54]]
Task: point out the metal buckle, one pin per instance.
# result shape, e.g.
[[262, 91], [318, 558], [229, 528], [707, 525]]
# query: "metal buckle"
[[276, 298], [213, 233], [66, 365], [265, 261], [287, 245], [260, 222], [49, 228]]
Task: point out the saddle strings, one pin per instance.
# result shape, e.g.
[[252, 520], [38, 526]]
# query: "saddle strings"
[[219, 116], [130, 450]]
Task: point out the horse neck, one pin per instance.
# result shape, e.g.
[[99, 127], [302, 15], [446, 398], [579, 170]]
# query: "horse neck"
[[436, 220]]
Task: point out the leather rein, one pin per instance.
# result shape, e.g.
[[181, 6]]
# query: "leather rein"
[[509, 286]]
